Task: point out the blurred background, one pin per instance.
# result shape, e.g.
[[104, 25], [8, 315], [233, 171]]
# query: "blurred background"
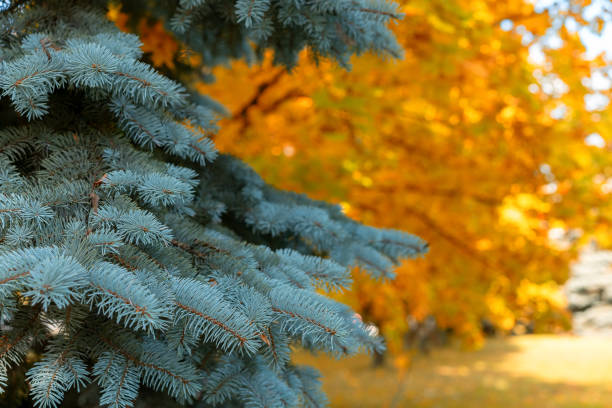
[[491, 139]]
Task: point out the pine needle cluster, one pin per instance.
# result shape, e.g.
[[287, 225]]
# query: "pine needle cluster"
[[140, 267]]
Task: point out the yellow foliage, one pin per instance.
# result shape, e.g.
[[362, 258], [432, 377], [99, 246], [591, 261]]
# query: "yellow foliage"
[[115, 15], [157, 41], [452, 143]]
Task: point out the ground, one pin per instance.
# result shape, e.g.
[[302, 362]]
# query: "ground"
[[525, 371]]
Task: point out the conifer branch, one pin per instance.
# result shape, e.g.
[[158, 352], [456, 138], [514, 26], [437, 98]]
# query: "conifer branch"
[[116, 195], [214, 321], [142, 81], [306, 319], [134, 359], [14, 277], [379, 12]]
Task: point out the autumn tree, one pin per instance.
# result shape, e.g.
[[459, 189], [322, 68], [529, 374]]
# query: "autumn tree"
[[476, 139]]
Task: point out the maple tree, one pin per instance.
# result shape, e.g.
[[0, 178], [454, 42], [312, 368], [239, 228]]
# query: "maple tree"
[[467, 141]]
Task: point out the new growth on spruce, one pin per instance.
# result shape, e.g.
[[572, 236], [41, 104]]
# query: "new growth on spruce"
[[139, 267]]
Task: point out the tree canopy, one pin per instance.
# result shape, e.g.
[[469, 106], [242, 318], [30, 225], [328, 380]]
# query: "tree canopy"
[[475, 140], [488, 138]]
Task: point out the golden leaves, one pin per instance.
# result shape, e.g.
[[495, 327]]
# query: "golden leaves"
[[158, 42], [448, 143], [115, 15]]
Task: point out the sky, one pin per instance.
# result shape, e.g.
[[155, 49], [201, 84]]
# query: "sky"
[[596, 43]]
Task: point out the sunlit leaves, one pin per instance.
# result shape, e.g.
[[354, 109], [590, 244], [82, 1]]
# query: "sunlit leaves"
[[448, 143]]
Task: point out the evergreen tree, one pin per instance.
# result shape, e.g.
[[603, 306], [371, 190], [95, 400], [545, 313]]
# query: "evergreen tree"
[[139, 267]]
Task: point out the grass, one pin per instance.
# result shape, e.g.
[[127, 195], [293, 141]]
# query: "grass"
[[517, 372]]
